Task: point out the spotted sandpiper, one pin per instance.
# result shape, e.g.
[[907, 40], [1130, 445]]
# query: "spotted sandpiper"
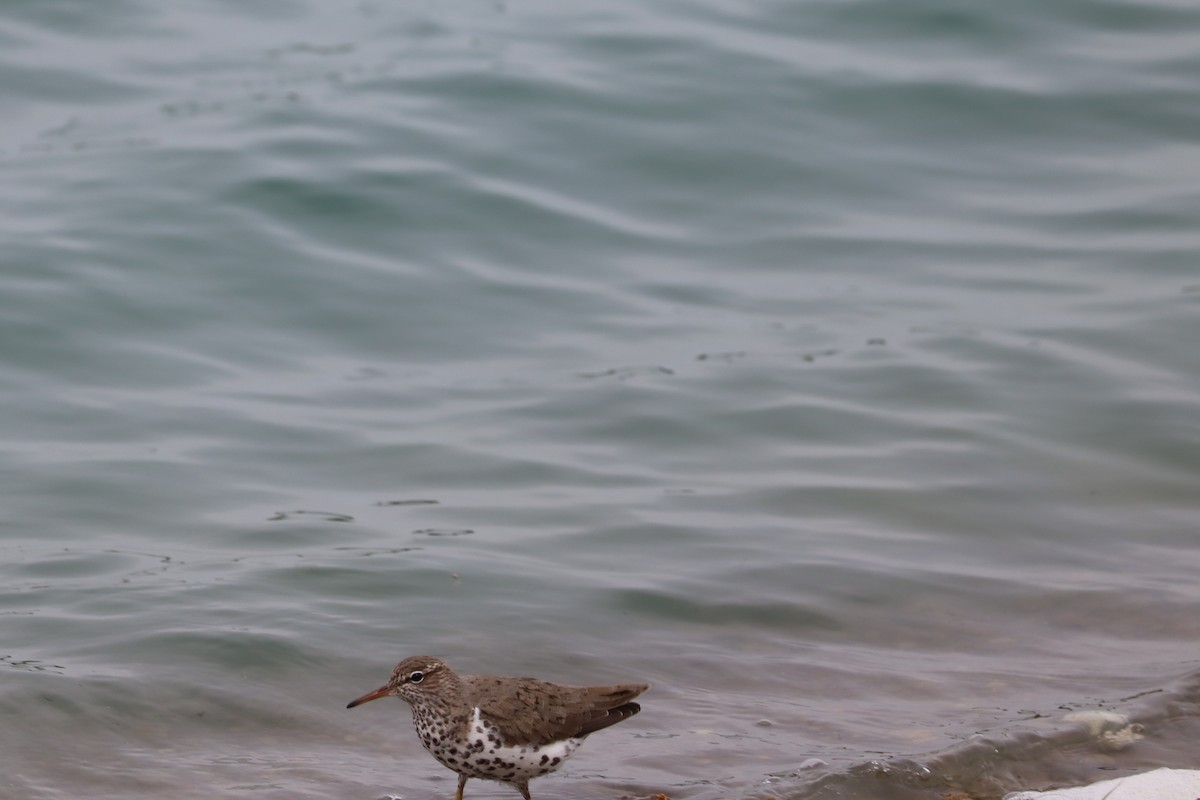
[[501, 728]]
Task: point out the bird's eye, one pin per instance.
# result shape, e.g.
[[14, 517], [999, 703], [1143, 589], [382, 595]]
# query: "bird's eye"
[[416, 677]]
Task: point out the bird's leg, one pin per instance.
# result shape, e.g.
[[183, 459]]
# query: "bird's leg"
[[462, 782], [523, 788]]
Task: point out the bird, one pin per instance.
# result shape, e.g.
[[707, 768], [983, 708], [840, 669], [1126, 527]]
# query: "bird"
[[501, 727]]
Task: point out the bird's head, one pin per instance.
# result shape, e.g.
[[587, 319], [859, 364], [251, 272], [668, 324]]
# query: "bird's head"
[[413, 680]]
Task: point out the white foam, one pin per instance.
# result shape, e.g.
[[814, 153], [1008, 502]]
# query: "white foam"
[[1159, 784]]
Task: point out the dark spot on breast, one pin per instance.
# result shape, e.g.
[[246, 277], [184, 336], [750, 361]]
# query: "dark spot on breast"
[[556, 760], [545, 759]]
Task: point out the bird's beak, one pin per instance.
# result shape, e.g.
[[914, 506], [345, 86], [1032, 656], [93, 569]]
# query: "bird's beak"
[[382, 691]]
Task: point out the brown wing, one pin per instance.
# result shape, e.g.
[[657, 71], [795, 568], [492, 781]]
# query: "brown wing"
[[529, 711]]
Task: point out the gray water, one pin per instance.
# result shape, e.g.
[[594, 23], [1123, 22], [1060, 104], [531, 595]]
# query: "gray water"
[[831, 366]]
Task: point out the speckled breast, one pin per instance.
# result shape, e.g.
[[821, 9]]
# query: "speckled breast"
[[483, 754]]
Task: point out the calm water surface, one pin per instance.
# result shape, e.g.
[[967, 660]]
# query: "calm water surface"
[[831, 366]]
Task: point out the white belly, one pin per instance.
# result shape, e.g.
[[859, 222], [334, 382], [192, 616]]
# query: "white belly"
[[483, 756]]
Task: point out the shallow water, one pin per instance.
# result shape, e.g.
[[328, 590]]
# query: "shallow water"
[[830, 366]]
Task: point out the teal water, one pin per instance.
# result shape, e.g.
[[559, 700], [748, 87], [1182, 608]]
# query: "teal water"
[[831, 366]]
